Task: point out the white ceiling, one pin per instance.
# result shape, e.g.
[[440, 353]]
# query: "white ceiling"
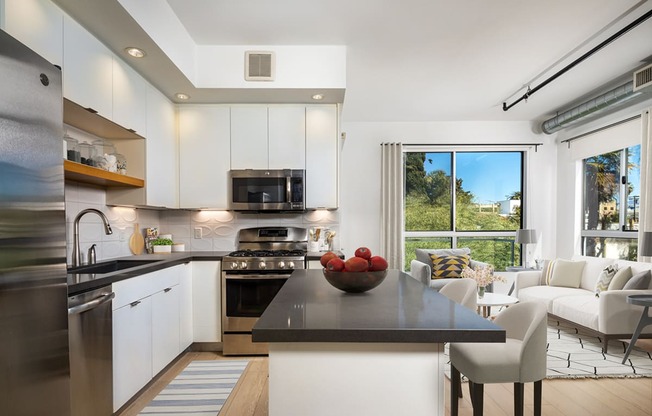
[[425, 60]]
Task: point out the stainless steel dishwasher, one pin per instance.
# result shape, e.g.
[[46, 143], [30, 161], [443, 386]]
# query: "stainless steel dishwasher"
[[91, 355]]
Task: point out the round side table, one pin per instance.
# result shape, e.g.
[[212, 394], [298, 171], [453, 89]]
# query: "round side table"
[[494, 299], [646, 302]]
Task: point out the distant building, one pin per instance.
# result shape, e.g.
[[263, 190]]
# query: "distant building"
[[507, 206]]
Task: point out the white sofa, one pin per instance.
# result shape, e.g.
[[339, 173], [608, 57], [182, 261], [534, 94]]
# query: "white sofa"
[[609, 316]]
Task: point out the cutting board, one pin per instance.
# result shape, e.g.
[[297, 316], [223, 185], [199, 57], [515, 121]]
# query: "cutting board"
[[136, 241]]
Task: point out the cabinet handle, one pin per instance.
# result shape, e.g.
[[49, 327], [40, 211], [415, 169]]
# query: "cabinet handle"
[[131, 130], [167, 289], [91, 110], [135, 303]]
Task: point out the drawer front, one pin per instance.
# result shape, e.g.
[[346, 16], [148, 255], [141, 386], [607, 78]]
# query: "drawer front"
[[131, 290]]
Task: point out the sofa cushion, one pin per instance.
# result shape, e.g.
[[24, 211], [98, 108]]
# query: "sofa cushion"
[[423, 255], [547, 294], [448, 266], [620, 278], [639, 281], [567, 273], [605, 278], [581, 309], [592, 269]]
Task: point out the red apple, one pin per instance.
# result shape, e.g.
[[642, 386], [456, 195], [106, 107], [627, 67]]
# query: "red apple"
[[363, 252], [377, 263], [326, 257], [356, 264], [335, 264]]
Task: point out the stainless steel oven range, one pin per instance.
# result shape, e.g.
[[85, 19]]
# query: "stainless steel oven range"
[[252, 276]]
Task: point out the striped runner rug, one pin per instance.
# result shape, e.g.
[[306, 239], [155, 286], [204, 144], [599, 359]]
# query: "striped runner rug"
[[201, 389]]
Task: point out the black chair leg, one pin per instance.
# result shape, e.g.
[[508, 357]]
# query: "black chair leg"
[[538, 387], [518, 399], [455, 387], [470, 383], [477, 397]]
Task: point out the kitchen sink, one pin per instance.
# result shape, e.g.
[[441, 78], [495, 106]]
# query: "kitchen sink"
[[109, 266]]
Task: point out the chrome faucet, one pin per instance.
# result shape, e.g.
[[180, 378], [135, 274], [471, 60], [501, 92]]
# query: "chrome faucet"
[[76, 253]]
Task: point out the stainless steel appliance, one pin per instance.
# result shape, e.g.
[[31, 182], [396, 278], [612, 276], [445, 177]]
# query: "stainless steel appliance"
[[267, 190], [91, 352], [252, 276], [35, 375]]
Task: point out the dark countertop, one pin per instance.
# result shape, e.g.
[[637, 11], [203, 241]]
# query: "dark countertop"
[[401, 309], [78, 283]]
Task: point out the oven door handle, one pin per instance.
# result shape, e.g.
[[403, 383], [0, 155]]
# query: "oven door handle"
[[256, 276]]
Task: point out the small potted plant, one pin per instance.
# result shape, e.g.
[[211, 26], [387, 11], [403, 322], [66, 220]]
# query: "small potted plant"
[[162, 245]]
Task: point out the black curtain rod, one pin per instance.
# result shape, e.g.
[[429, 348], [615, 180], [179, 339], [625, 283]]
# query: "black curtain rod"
[[580, 59], [536, 145], [569, 140]]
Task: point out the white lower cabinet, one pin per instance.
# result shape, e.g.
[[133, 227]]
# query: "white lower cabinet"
[[146, 329], [185, 313], [132, 349], [206, 301], [165, 327]]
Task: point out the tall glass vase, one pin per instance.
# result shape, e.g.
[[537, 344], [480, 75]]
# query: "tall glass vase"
[[481, 290]]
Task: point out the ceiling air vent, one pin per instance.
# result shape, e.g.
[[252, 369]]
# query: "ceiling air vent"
[[643, 79], [259, 66]]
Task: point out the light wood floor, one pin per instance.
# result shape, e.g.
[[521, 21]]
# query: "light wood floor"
[[608, 397]]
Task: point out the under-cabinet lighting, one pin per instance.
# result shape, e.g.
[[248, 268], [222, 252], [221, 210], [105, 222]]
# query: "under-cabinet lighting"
[[135, 52], [182, 96]]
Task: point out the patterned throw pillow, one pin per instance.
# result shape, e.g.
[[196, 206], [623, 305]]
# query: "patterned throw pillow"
[[605, 278], [448, 266]]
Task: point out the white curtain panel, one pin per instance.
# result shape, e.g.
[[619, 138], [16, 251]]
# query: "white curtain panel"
[[391, 203], [645, 218]]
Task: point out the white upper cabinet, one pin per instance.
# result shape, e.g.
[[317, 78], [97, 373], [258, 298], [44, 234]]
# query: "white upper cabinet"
[[249, 137], [87, 69], [204, 156], [129, 98], [287, 137], [322, 162], [38, 24]]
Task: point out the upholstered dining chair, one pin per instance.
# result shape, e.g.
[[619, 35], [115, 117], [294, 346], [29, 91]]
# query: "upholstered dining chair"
[[462, 291], [521, 359]]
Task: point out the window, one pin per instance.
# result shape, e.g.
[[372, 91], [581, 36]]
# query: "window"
[[610, 226], [464, 199]]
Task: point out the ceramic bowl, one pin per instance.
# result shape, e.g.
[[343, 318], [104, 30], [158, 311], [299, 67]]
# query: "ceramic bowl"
[[355, 282]]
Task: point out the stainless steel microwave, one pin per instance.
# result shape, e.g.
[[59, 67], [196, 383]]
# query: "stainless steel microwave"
[[267, 190]]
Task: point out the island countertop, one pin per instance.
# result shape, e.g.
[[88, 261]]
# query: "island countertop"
[[400, 310]]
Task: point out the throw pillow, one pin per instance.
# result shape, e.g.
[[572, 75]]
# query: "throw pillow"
[[546, 270], [605, 278], [448, 266], [567, 273], [639, 281], [621, 277], [423, 255]]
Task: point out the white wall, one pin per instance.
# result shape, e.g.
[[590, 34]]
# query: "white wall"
[[360, 173]]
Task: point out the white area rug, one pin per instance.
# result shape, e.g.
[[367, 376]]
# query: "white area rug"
[[201, 389], [574, 354]]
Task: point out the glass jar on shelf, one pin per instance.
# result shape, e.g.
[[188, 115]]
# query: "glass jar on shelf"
[[72, 149], [87, 153], [121, 163], [101, 159]]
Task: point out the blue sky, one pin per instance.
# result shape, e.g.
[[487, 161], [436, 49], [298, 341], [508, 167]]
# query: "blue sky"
[[490, 176]]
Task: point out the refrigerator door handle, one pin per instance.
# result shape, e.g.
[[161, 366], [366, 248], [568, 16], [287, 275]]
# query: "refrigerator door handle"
[[92, 304]]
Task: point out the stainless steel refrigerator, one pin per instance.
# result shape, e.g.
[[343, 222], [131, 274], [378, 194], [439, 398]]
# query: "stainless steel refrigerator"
[[34, 370]]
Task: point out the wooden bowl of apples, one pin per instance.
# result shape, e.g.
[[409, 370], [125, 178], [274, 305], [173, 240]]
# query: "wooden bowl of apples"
[[357, 274]]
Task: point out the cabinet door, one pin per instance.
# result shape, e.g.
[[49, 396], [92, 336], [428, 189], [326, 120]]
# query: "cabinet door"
[[165, 327], [38, 24], [322, 164], [287, 137], [129, 98], [132, 349], [204, 153], [206, 301], [185, 304], [87, 69], [161, 151], [249, 137]]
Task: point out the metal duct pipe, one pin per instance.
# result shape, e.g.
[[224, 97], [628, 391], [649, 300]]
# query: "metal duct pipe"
[[597, 105]]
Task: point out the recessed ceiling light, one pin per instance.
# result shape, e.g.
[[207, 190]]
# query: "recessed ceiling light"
[[181, 96], [318, 97], [135, 52]]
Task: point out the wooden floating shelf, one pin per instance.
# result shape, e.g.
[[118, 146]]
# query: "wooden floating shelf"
[[88, 174]]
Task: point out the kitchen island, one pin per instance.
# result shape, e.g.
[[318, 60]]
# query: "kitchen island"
[[375, 353]]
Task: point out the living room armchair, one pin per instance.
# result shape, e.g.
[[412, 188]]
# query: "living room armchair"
[[434, 279]]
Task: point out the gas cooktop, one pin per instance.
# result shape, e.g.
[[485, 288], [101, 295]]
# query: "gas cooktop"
[[267, 253]]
